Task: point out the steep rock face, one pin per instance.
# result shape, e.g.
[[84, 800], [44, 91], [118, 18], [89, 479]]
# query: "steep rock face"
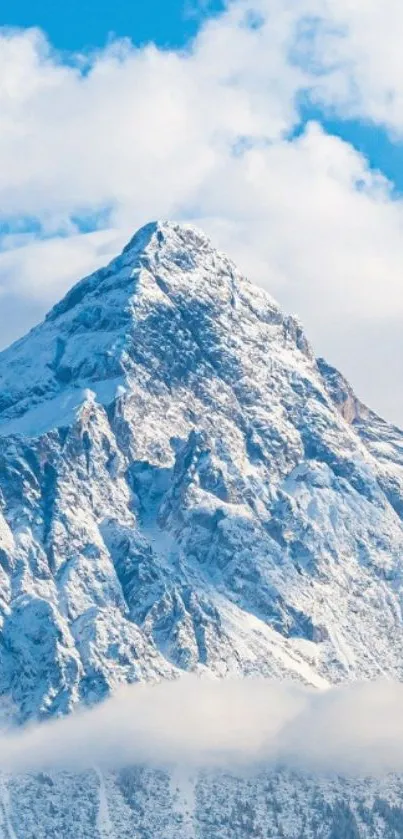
[[183, 485]]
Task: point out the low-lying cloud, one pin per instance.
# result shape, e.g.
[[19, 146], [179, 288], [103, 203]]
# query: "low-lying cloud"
[[236, 725]]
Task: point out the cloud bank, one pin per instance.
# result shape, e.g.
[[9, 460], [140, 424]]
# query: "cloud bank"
[[234, 725], [94, 146]]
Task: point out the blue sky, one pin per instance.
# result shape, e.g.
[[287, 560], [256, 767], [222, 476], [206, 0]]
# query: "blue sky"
[[79, 24], [216, 134]]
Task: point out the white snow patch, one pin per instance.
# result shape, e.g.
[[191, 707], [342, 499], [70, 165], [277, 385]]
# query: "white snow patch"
[[104, 823], [61, 411]]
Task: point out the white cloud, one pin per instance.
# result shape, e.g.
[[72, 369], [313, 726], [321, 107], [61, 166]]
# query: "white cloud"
[[140, 125], [237, 725], [357, 47], [46, 267], [202, 134]]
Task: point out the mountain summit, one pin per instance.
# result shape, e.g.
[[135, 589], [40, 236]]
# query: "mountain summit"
[[185, 487], [168, 290]]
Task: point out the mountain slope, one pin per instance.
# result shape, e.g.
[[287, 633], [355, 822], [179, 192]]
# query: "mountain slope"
[[185, 487], [182, 487]]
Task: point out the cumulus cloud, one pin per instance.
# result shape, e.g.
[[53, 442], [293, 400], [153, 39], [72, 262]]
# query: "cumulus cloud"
[[55, 263], [356, 53], [233, 725], [211, 134]]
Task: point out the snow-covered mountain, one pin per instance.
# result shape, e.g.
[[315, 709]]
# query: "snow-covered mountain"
[[185, 487]]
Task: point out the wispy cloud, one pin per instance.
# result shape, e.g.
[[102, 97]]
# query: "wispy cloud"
[[236, 725]]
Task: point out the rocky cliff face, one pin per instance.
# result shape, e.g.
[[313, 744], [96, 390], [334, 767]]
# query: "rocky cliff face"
[[183, 487]]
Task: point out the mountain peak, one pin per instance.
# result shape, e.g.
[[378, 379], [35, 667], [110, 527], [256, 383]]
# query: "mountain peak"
[[170, 296], [156, 244], [162, 232]]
